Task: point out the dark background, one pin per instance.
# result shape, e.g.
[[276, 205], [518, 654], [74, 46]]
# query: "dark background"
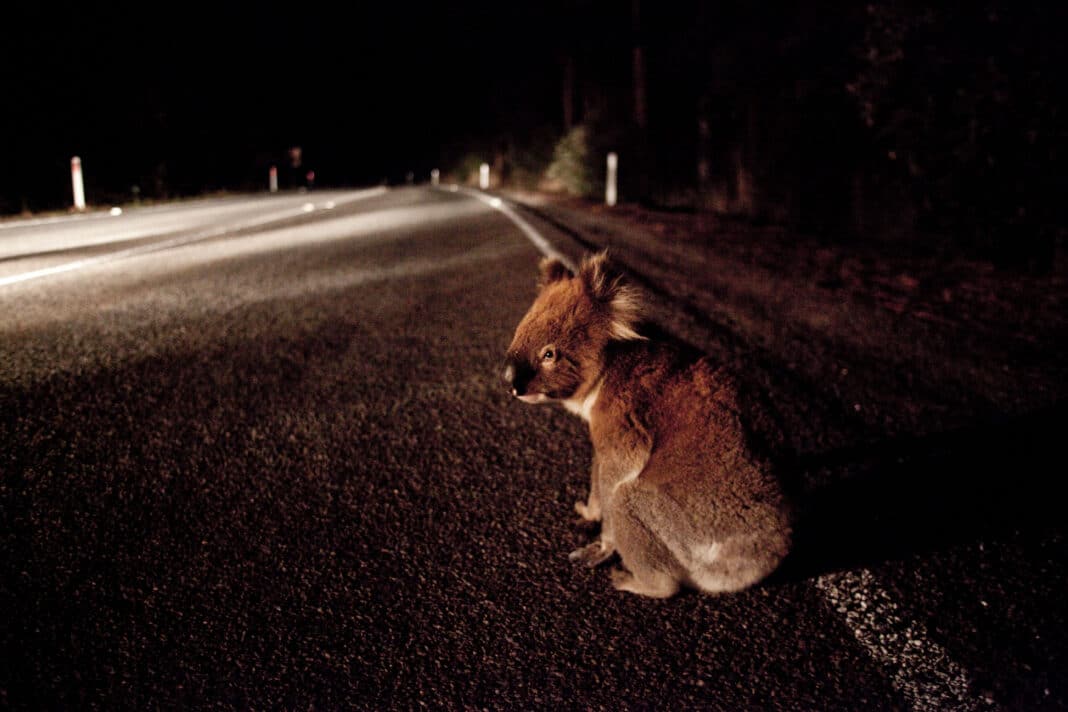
[[872, 120], [191, 97]]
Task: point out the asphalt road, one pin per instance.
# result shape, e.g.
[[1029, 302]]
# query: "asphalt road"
[[257, 456]]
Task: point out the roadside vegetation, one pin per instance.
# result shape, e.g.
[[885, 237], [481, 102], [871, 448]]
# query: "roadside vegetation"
[[888, 121]]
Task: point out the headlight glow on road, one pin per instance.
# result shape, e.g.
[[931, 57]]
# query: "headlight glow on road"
[[162, 230]]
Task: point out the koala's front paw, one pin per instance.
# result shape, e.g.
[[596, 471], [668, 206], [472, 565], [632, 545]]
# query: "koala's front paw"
[[593, 554], [590, 512]]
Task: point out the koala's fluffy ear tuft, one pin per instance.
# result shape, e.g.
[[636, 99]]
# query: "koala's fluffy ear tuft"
[[552, 270], [607, 285], [598, 276]]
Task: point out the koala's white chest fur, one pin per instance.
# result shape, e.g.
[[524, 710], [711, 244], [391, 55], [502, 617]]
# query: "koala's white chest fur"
[[583, 406]]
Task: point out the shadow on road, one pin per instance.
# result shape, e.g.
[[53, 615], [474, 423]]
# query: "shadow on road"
[[911, 495]]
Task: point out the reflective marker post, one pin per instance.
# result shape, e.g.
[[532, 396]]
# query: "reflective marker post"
[[273, 179], [435, 177], [483, 176], [610, 183], [77, 184]]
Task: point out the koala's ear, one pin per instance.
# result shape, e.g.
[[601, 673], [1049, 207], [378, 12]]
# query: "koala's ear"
[[606, 284], [598, 277], [551, 270]]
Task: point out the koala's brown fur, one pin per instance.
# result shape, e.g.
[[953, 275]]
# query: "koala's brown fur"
[[681, 496]]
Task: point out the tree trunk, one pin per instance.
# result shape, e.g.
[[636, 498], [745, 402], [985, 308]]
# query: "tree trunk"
[[567, 92], [638, 69], [704, 146]]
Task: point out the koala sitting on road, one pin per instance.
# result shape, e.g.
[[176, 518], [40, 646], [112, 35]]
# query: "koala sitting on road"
[[680, 494]]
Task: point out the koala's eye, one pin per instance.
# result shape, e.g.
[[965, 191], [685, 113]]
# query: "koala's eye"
[[548, 355]]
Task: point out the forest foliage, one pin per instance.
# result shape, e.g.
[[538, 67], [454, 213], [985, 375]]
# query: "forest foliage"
[[888, 120]]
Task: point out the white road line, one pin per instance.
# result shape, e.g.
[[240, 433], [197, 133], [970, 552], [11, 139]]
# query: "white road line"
[[174, 242], [539, 241], [923, 670]]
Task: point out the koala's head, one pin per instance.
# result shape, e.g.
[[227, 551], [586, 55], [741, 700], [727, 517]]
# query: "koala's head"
[[559, 345]]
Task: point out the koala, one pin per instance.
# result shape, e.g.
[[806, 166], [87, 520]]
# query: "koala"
[[681, 495]]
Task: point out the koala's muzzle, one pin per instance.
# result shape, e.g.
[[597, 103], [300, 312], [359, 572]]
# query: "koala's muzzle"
[[517, 375]]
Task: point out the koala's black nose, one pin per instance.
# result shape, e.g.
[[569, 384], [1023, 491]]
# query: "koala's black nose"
[[517, 375]]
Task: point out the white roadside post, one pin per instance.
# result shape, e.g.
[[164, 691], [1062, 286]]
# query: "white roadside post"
[[483, 176], [610, 183], [76, 182], [435, 177], [272, 179]]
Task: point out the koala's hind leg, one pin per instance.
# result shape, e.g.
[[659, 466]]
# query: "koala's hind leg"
[[650, 567], [658, 585], [737, 564]]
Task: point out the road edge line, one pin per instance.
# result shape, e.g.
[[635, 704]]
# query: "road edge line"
[[923, 671], [536, 238]]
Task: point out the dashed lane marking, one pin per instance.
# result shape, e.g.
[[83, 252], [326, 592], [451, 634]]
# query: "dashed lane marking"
[[174, 242], [923, 671]]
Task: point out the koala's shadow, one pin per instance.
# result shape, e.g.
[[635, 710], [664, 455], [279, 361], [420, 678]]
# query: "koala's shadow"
[[908, 496]]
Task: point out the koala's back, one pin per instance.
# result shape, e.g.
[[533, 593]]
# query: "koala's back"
[[714, 505]]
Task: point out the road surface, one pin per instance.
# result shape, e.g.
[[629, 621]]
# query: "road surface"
[[257, 454]]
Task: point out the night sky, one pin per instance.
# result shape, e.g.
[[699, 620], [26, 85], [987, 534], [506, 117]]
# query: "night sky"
[[879, 118], [181, 98]]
